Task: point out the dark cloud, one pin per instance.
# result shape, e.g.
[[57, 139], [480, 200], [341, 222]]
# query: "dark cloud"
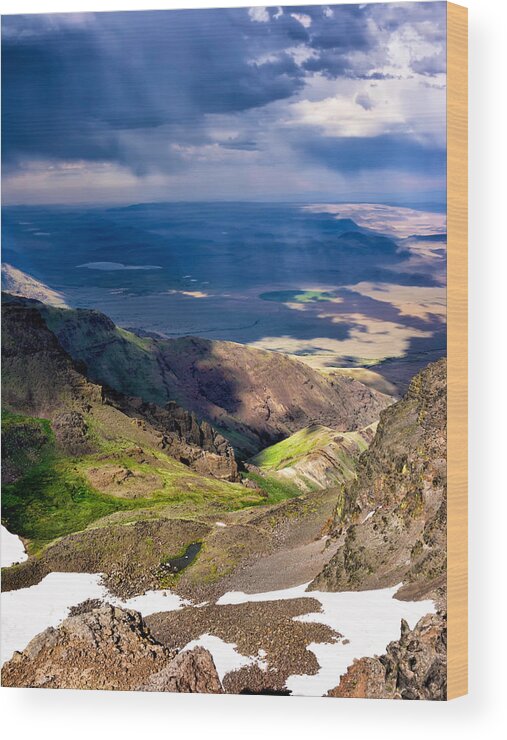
[[346, 29], [240, 145], [146, 90], [389, 151], [364, 100], [68, 89]]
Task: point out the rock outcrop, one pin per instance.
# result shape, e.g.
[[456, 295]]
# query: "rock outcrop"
[[393, 517], [109, 648], [196, 444], [190, 672], [413, 667]]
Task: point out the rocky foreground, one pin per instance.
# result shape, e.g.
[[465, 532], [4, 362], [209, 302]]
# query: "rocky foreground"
[[113, 649], [413, 667]]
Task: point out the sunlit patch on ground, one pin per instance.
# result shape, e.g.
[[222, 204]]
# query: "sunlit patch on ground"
[[189, 293], [411, 300], [370, 340], [390, 220], [295, 296]]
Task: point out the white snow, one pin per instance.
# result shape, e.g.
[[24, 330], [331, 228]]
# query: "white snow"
[[368, 619], [12, 549], [28, 611], [225, 654]]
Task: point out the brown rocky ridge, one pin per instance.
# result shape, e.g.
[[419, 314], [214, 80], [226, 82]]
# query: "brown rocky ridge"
[[112, 649], [391, 520], [252, 396], [41, 379]]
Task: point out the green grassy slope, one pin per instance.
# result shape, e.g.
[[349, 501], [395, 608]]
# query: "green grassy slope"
[[54, 496], [314, 457]]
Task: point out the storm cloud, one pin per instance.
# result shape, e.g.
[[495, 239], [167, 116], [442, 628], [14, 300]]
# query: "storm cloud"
[[182, 94]]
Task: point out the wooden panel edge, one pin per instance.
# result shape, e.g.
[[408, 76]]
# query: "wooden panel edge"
[[457, 336]]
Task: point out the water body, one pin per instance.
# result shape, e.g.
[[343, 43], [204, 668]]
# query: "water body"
[[176, 565]]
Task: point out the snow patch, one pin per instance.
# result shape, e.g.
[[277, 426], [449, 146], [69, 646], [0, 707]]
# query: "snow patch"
[[369, 620], [226, 656], [12, 549], [28, 611]]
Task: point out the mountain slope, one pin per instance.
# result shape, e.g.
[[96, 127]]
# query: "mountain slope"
[[254, 397], [393, 517], [40, 380], [315, 457], [75, 452]]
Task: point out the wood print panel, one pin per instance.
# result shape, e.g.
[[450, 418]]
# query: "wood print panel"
[[234, 351]]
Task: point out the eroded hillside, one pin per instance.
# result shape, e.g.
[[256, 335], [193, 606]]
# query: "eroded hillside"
[[253, 397], [392, 518]]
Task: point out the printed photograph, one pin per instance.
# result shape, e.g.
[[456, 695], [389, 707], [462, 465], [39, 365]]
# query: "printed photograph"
[[224, 394]]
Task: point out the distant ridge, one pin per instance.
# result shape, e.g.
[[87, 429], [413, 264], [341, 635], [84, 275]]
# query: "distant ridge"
[[19, 283]]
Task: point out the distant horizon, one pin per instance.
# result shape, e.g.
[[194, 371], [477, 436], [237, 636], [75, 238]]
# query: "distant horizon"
[[429, 206]]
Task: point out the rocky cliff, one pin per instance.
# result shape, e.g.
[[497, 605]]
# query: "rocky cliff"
[[392, 519], [413, 667], [109, 648]]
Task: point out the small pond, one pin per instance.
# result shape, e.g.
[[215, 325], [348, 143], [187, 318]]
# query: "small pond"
[[175, 565]]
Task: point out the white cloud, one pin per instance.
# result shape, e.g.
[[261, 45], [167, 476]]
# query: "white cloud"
[[302, 18], [300, 53], [407, 45], [407, 106], [328, 12], [341, 116], [259, 14]]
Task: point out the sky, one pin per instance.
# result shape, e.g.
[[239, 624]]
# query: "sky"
[[331, 103]]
